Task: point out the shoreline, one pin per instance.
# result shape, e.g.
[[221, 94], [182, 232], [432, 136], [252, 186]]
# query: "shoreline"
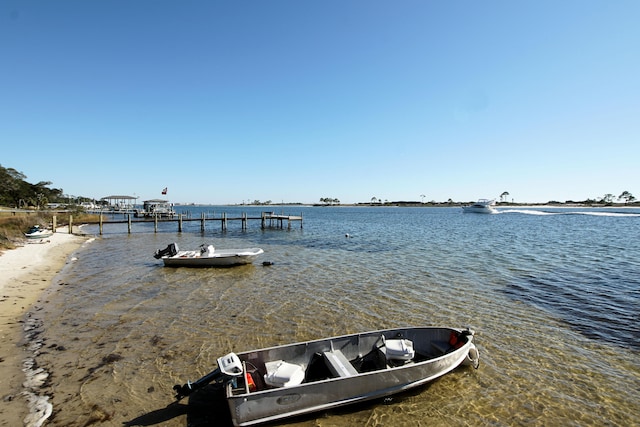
[[26, 272]]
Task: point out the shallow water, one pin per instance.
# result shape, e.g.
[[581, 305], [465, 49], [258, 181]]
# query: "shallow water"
[[553, 295]]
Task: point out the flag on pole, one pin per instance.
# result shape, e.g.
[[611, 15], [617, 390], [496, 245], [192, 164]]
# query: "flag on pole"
[[164, 191]]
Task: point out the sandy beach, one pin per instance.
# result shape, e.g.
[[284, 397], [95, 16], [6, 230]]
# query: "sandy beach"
[[25, 272]]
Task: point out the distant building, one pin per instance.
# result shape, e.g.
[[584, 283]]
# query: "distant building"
[[155, 207]]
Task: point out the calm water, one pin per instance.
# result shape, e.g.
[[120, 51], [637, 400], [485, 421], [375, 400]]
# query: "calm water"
[[553, 295]]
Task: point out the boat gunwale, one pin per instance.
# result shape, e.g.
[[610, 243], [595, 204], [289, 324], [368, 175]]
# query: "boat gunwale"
[[357, 334]]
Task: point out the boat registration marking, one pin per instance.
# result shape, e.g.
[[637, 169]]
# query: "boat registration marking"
[[288, 399]]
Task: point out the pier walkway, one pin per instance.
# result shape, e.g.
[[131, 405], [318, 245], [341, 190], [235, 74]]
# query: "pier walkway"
[[267, 220]]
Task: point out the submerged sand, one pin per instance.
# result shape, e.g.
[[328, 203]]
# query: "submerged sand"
[[25, 272]]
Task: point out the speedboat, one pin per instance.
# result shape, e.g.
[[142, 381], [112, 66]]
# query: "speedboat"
[[483, 206], [206, 256], [37, 232], [279, 382]]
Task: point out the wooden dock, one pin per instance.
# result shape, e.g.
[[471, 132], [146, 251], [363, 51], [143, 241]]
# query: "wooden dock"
[[267, 220]]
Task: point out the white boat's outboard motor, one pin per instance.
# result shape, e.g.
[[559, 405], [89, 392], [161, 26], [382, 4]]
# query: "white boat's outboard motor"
[[229, 366], [170, 250]]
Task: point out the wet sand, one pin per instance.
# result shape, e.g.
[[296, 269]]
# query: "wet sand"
[[25, 273]]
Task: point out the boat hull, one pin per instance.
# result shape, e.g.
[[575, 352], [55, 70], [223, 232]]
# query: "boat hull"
[[250, 408], [479, 209], [42, 234], [221, 258]]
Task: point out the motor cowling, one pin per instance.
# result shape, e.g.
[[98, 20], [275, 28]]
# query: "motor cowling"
[[170, 250]]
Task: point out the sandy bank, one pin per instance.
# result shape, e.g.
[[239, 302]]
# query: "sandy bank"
[[25, 272]]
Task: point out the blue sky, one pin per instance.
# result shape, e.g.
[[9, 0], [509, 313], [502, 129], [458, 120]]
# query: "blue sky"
[[292, 101]]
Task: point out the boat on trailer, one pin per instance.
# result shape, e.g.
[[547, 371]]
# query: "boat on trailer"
[[279, 382], [206, 256]]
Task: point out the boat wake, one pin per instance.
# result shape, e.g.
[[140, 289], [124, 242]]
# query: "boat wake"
[[587, 213], [526, 212]]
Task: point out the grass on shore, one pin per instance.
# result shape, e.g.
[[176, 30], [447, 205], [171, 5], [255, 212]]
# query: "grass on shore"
[[13, 225]]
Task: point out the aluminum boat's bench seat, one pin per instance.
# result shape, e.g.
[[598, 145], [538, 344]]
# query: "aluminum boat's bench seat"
[[338, 364]]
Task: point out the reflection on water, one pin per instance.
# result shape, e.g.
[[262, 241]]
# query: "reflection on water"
[[553, 297]]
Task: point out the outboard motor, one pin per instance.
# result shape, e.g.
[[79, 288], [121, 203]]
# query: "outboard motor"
[[170, 250], [229, 366]]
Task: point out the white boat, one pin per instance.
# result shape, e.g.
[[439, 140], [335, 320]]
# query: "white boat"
[[37, 232], [484, 206], [279, 382], [206, 256]]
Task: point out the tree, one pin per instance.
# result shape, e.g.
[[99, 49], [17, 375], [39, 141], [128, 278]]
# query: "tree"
[[422, 196], [607, 198], [11, 183], [503, 196], [16, 191], [374, 199], [626, 196]]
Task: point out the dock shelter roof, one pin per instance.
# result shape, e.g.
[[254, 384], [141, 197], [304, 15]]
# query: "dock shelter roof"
[[119, 198]]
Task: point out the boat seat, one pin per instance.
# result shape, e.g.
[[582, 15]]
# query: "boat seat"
[[338, 364], [283, 374], [399, 349]]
